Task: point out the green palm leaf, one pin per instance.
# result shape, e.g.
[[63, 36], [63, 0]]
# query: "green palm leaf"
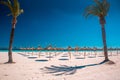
[[14, 8], [8, 4], [100, 8]]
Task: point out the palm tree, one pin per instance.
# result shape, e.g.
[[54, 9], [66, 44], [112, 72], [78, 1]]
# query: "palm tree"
[[15, 10], [100, 9]]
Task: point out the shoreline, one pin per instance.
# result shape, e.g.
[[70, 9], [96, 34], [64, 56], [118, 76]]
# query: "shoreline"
[[56, 50]]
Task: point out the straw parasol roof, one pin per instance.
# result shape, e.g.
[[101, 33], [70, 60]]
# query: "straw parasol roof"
[[49, 47], [76, 48], [69, 48], [39, 48]]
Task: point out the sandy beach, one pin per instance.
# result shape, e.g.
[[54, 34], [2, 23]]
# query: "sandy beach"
[[59, 40], [58, 66]]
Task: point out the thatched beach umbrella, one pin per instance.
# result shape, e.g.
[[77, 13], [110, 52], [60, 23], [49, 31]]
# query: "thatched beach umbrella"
[[50, 48], [111, 51], [28, 50], [117, 50], [85, 48], [76, 49], [95, 51], [55, 49], [24, 49], [32, 50], [39, 48], [69, 49]]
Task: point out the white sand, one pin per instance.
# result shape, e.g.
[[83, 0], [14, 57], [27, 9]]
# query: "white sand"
[[29, 69]]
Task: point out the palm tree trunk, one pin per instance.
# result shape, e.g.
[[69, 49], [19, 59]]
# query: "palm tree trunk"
[[104, 43], [10, 59]]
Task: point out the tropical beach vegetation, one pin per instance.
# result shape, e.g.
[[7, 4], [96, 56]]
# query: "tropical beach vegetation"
[[100, 9], [15, 11]]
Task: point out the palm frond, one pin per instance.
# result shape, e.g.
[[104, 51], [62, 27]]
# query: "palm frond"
[[8, 4], [100, 8], [99, 4], [14, 7], [106, 6], [91, 10], [9, 14], [21, 11]]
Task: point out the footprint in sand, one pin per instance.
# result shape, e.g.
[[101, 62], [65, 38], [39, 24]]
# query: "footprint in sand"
[[6, 75]]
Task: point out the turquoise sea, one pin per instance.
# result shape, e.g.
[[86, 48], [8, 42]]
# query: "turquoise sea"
[[52, 50]]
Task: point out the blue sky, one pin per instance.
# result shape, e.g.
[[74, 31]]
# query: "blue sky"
[[59, 23]]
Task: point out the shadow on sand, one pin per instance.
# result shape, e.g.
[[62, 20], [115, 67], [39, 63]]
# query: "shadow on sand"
[[64, 69]]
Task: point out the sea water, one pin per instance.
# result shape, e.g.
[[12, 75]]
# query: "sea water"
[[57, 51]]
